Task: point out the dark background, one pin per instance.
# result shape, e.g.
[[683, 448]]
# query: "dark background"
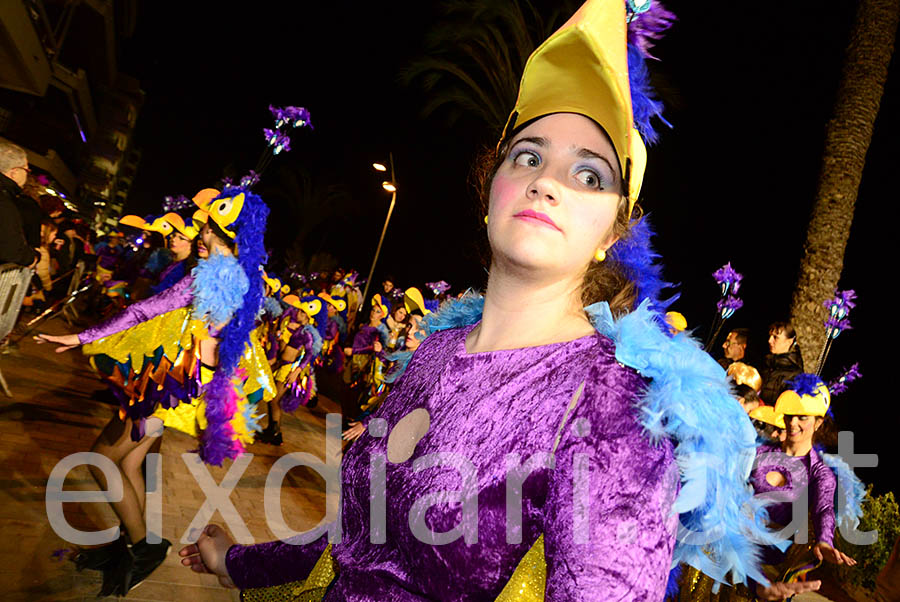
[[749, 89]]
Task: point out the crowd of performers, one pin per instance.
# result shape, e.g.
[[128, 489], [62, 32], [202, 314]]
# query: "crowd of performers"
[[563, 385]]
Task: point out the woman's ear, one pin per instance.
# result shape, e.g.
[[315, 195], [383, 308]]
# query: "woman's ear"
[[819, 422]]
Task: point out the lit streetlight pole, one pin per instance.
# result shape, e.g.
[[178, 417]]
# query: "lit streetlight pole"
[[390, 186]]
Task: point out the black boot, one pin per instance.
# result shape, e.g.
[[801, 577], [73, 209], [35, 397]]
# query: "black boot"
[[117, 575], [98, 559], [147, 558], [271, 434]]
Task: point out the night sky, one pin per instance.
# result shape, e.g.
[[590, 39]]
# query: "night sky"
[[749, 88]]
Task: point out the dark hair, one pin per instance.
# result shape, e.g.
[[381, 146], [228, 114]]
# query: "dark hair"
[[747, 392], [783, 326], [156, 240], [741, 335], [827, 434], [602, 281], [220, 234]]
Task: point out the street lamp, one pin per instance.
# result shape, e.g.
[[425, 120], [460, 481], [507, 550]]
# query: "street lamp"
[[390, 186]]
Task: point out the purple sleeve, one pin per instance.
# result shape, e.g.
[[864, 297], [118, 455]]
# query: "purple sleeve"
[[272, 563], [175, 297], [609, 533], [364, 340], [822, 486]]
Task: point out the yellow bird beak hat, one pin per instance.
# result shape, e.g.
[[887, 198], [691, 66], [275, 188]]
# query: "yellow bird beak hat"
[[768, 415], [177, 222], [806, 395], [594, 66]]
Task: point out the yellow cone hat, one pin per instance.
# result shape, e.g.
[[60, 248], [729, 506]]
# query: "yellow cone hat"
[[583, 68]]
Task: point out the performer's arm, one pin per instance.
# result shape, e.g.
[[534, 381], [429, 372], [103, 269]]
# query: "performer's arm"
[[621, 547], [821, 487], [272, 563], [177, 296]]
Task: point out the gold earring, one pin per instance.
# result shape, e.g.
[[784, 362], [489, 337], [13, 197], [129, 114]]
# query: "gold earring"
[[485, 220], [600, 255]]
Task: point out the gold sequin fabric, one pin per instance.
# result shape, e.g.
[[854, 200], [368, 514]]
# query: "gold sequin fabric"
[[529, 580], [312, 589]]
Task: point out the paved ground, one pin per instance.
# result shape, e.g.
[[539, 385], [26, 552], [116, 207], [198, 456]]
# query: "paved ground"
[[53, 414]]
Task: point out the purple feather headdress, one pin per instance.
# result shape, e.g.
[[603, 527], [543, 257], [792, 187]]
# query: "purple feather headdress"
[[217, 442], [839, 308], [647, 21], [839, 385]]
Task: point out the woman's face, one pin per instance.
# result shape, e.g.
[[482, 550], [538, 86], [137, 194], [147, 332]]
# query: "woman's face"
[[413, 341], [399, 314], [800, 429], [209, 241], [554, 199], [179, 244], [779, 343]]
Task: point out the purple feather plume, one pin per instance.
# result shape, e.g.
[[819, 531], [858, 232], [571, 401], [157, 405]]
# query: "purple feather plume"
[[839, 385], [839, 308], [647, 21]]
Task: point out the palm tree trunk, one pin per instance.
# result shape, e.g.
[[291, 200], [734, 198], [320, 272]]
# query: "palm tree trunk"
[[847, 139]]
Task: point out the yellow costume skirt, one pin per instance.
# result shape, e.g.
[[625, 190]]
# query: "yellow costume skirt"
[[156, 371]]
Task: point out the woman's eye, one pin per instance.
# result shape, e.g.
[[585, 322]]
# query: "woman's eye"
[[589, 178], [527, 159]]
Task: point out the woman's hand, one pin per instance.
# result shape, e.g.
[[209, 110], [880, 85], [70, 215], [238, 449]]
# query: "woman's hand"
[[825, 552], [208, 554], [376, 347], [356, 429], [348, 351], [65, 341], [781, 591]]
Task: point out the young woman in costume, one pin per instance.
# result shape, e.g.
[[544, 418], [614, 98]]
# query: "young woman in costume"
[[793, 464], [185, 358], [295, 377], [564, 370], [332, 357]]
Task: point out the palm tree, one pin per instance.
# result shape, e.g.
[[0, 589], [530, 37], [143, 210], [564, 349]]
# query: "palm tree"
[[477, 53], [847, 139]]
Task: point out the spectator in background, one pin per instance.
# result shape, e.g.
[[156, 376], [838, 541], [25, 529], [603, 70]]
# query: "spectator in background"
[[14, 246], [735, 347], [783, 361]]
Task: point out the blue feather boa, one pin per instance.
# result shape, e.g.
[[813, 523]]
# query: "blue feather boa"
[[317, 339], [219, 287], [849, 495], [689, 402]]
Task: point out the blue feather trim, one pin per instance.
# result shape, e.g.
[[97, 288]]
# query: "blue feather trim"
[[317, 339], [849, 494], [639, 262], [219, 287], [689, 402], [805, 384], [272, 306]]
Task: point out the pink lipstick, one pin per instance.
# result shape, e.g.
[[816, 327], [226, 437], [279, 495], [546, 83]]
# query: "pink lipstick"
[[529, 214]]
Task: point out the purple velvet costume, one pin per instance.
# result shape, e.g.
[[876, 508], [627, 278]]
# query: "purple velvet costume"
[[485, 406], [179, 295], [811, 471]]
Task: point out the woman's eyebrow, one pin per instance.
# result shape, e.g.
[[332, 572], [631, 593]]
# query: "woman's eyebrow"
[[586, 153], [536, 140]]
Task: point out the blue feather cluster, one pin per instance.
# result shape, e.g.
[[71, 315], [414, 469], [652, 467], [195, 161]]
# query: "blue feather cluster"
[[216, 443], [639, 262], [316, 338], [689, 402], [805, 384], [272, 306], [644, 104], [219, 287]]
